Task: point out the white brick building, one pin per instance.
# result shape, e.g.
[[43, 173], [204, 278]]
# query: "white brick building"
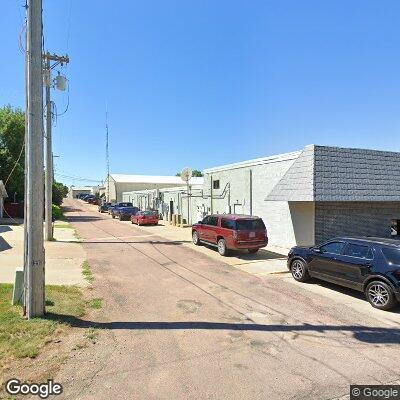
[[304, 197]]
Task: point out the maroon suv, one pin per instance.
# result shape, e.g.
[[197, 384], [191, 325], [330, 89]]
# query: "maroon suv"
[[231, 232]]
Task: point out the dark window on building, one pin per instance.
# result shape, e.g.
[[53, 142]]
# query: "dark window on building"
[[250, 224], [392, 255], [357, 250], [213, 221], [216, 184], [395, 227], [228, 223], [332, 247]]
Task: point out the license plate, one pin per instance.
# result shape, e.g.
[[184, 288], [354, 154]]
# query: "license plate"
[[252, 235]]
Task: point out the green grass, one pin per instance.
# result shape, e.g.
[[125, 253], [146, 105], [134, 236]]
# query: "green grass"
[[87, 272], [96, 303], [64, 226], [20, 338], [91, 334]]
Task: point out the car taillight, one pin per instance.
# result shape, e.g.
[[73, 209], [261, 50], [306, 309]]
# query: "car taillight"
[[235, 235], [266, 234]]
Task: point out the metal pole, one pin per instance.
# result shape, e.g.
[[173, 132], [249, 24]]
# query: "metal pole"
[[188, 202], [251, 191], [49, 161], [211, 196], [35, 262]]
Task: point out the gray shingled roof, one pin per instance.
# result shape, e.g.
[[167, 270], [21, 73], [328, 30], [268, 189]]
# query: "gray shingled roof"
[[298, 182], [323, 173]]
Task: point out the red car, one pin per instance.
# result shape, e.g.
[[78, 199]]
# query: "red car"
[[145, 218], [231, 232]]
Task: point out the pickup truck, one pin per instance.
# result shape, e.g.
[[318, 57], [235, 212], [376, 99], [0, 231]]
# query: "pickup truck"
[[124, 213], [116, 205]]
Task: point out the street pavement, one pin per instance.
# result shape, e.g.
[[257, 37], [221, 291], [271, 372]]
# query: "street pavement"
[[178, 324]]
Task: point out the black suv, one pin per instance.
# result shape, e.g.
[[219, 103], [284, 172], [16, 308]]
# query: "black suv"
[[370, 265]]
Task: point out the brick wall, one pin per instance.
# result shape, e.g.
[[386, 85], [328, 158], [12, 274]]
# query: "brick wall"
[[354, 219]]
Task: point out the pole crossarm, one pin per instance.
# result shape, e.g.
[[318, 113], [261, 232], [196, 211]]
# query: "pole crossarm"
[[56, 58]]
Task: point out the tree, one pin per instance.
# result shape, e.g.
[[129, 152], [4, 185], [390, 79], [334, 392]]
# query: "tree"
[[59, 192], [12, 155], [12, 152], [195, 173]]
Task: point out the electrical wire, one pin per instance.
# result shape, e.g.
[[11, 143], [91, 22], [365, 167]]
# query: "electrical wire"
[[16, 162], [78, 178]]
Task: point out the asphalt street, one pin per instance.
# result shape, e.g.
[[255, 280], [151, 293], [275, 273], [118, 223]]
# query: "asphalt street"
[[177, 324]]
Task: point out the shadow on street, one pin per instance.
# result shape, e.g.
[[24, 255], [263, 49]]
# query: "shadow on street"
[[364, 334]]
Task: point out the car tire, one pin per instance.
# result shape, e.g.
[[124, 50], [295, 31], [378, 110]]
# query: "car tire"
[[113, 216], [299, 271], [222, 250], [252, 251], [120, 217], [380, 295], [195, 238]]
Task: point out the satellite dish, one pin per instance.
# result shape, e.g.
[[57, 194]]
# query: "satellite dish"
[[186, 174]]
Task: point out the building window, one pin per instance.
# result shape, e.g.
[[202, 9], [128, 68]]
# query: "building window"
[[216, 184], [395, 227]]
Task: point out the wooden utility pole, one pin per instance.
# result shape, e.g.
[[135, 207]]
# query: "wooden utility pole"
[[47, 58], [48, 231], [35, 260]]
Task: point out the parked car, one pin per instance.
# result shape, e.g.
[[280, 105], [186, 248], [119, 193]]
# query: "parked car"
[[125, 213], [89, 197], [93, 200], [231, 232], [113, 208], [145, 218], [103, 207], [369, 265]]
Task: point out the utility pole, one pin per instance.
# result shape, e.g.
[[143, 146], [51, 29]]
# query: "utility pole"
[[35, 260], [47, 58], [107, 159]]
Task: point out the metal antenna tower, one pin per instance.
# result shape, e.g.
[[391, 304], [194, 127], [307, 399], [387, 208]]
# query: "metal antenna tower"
[[107, 159]]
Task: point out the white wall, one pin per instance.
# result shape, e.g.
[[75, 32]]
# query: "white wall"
[[287, 224]]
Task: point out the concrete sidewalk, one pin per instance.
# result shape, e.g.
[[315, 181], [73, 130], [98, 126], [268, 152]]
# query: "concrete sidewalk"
[[271, 260], [64, 257]]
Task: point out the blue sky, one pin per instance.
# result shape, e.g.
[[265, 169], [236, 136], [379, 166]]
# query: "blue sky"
[[204, 83]]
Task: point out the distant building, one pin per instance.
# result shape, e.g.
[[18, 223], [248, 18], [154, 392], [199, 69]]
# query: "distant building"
[[3, 195], [119, 184]]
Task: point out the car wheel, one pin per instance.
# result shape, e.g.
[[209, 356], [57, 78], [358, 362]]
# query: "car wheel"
[[120, 217], [299, 271], [195, 238], [222, 247], [252, 251], [380, 295], [113, 215]]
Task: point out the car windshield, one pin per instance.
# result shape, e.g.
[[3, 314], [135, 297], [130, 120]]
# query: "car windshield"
[[392, 255], [148, 213], [249, 224], [125, 204]]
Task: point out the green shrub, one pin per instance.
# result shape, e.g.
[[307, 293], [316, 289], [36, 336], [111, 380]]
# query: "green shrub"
[[57, 212]]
